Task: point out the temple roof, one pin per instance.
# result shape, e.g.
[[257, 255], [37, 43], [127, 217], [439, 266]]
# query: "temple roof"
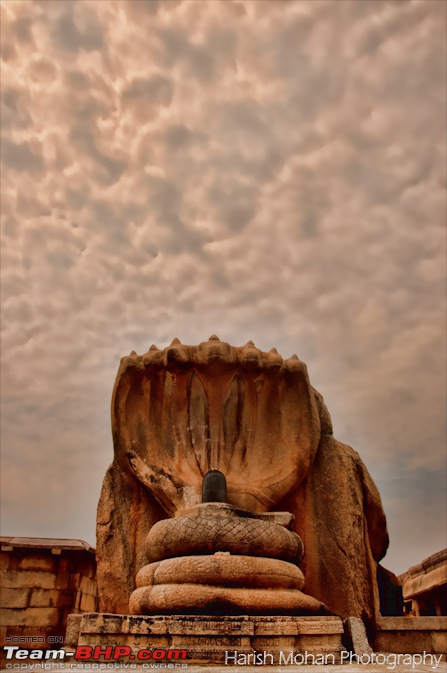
[[45, 543]]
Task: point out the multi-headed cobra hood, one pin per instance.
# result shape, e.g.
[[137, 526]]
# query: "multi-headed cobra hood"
[[181, 411]]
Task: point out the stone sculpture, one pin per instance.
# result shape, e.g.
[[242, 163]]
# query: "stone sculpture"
[[253, 572], [180, 412]]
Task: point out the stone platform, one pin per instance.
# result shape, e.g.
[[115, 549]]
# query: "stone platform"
[[214, 640]]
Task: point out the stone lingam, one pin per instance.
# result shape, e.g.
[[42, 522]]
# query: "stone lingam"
[[229, 494], [256, 571]]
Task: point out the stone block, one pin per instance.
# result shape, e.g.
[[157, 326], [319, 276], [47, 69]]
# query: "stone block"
[[318, 643], [75, 579], [73, 630], [14, 598], [266, 626], [37, 633], [236, 626], [50, 598], [412, 635], [40, 562], [268, 642], [38, 617], [412, 624], [88, 603], [90, 571], [18, 579], [62, 581], [4, 560], [109, 624], [88, 586], [357, 641], [439, 642]]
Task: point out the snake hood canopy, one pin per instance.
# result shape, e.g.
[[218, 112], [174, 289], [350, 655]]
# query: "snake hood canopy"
[[180, 412]]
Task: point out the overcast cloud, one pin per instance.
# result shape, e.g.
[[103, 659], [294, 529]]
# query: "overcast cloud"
[[271, 171]]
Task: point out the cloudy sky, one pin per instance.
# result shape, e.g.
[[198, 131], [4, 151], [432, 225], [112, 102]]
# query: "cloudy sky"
[[272, 171]]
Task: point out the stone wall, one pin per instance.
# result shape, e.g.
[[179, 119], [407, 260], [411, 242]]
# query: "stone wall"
[[411, 636], [43, 581]]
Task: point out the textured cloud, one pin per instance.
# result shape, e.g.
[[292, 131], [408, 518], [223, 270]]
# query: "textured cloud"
[[271, 171]]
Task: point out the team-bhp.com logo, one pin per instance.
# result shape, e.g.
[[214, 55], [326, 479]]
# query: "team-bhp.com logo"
[[97, 653]]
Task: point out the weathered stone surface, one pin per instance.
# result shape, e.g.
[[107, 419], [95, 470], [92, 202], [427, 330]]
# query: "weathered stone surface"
[[16, 579], [281, 518], [14, 598], [179, 412], [73, 630], [50, 598], [30, 617], [207, 639], [356, 637], [227, 571], [87, 603], [41, 580], [87, 586], [197, 598], [339, 516], [217, 527], [412, 635], [126, 513], [47, 563]]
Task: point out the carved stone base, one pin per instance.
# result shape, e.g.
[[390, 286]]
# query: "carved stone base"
[[213, 639]]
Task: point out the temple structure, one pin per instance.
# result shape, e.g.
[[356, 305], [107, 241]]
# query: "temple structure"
[[43, 580], [300, 519], [425, 587], [230, 523]]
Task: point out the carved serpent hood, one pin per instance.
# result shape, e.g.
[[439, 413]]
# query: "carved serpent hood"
[[181, 411]]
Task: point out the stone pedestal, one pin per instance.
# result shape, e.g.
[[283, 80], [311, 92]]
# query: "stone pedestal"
[[217, 640]]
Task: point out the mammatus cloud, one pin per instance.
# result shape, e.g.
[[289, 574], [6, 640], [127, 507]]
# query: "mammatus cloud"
[[268, 171]]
